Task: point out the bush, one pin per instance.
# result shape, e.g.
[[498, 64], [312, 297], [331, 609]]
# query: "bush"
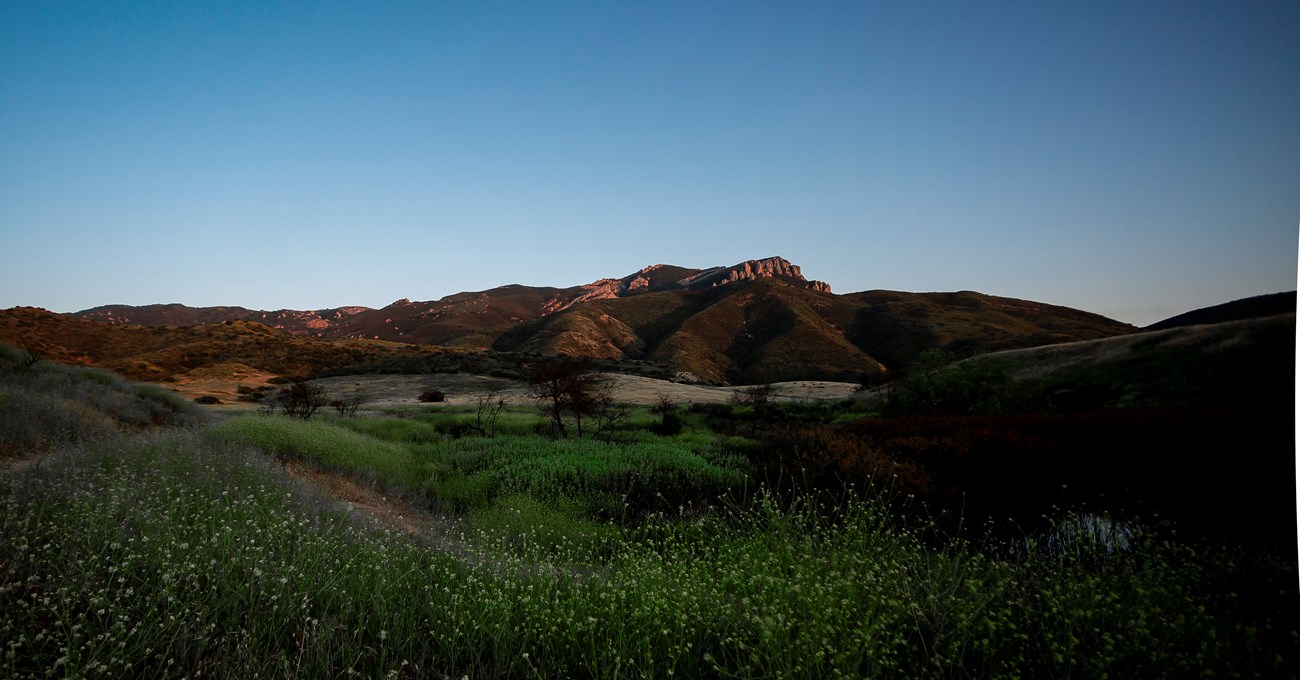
[[432, 396], [48, 404], [207, 399], [302, 400]]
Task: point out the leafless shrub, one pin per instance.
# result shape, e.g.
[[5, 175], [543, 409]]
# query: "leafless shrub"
[[347, 406], [301, 400], [487, 408], [757, 397]]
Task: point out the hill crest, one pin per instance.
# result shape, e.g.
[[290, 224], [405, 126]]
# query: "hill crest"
[[755, 321]]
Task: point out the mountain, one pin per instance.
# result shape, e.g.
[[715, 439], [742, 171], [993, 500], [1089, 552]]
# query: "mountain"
[[308, 322], [896, 327], [756, 321], [773, 329], [162, 354], [459, 319], [1246, 308]]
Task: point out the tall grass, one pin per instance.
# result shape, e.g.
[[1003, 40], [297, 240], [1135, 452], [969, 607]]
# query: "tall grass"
[[188, 552], [176, 554], [467, 473], [48, 404], [330, 446]]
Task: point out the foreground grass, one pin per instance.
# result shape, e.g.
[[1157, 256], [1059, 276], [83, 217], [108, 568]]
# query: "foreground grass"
[[44, 405], [463, 474], [180, 553]]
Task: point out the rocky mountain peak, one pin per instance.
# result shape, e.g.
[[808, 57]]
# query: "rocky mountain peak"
[[651, 279], [751, 270]]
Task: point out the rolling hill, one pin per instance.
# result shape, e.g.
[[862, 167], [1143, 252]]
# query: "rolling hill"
[[756, 321], [1248, 308], [165, 354]]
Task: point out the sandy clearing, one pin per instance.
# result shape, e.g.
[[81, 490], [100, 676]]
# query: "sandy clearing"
[[386, 391], [392, 391]]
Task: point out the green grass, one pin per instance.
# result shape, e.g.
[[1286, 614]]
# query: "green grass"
[[182, 552], [175, 553], [464, 473], [330, 446]]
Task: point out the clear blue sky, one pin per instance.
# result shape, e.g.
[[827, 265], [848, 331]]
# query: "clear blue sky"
[[1131, 159]]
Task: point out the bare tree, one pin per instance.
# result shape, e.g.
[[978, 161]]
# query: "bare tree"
[[488, 407], [757, 397], [302, 400], [569, 390], [347, 406]]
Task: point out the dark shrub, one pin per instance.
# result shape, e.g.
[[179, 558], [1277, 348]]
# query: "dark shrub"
[[207, 399], [669, 424], [432, 396], [301, 400]]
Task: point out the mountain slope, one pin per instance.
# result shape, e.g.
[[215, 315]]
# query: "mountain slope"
[[756, 321], [469, 319], [313, 322], [163, 353], [772, 329], [1247, 308], [896, 327]]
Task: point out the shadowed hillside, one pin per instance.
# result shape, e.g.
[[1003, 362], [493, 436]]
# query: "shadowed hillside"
[[162, 353], [772, 329], [896, 327], [754, 322], [1247, 308]]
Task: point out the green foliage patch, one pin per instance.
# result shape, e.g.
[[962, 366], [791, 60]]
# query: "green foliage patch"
[[180, 552], [330, 446]]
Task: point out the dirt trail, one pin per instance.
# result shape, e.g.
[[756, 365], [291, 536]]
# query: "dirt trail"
[[363, 502]]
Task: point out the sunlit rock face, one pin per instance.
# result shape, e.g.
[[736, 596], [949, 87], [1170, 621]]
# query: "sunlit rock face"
[[644, 281], [751, 270]]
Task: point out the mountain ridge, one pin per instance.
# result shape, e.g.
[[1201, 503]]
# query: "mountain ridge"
[[755, 321]]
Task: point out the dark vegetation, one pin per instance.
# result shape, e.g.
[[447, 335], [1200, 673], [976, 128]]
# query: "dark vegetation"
[[301, 400], [45, 405], [1256, 307], [571, 392], [1013, 516], [348, 405]]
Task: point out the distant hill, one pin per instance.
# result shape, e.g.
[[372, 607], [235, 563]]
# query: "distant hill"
[[771, 330], [1246, 308], [1231, 364], [308, 322], [163, 353], [458, 319], [756, 321]]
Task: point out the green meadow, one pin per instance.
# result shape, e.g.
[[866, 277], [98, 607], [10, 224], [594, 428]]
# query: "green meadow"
[[159, 542]]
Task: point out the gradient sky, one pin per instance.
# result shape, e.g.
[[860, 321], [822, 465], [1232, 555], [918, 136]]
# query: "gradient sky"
[[1131, 159]]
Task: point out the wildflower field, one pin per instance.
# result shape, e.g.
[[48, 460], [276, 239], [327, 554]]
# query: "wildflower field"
[[186, 549]]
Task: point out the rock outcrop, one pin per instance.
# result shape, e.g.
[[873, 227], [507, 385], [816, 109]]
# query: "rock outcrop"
[[751, 270], [646, 281]]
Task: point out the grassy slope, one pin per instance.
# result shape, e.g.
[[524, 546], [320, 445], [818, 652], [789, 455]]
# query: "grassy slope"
[[47, 405], [179, 552], [1231, 364], [896, 327], [156, 353]]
